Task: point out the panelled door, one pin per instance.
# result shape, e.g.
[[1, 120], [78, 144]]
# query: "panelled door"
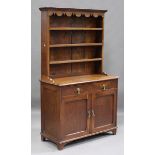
[[75, 116], [104, 110]]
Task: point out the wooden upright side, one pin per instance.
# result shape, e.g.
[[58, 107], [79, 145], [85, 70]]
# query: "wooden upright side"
[[50, 111], [44, 44], [102, 43]]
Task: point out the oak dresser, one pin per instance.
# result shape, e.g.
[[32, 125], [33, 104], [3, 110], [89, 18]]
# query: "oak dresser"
[[77, 98]]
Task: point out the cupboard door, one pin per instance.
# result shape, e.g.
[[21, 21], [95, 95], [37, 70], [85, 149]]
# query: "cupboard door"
[[104, 110], [75, 116]]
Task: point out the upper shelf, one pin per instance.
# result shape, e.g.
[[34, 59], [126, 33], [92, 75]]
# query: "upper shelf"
[[74, 45], [75, 61], [75, 28]]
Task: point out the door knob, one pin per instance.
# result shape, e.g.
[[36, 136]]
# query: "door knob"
[[93, 113], [89, 114]]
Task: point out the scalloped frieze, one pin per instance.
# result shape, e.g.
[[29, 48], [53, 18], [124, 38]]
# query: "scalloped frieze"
[[77, 14]]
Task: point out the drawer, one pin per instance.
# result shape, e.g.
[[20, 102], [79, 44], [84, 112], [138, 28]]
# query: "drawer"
[[88, 87], [75, 89], [105, 85]]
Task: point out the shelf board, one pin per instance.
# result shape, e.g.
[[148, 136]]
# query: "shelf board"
[[74, 45], [75, 61], [75, 28]]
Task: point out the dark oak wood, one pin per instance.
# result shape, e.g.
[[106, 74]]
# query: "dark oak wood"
[[60, 146], [104, 109], [73, 11], [74, 28], [77, 98], [73, 124], [75, 61], [43, 138], [114, 131], [73, 45]]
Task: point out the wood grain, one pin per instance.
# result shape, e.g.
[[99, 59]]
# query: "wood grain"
[[75, 61], [80, 79], [75, 28], [79, 44]]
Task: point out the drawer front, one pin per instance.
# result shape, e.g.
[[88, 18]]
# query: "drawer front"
[[91, 87], [105, 85], [75, 89]]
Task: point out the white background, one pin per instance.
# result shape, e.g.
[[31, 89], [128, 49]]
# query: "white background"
[[15, 78]]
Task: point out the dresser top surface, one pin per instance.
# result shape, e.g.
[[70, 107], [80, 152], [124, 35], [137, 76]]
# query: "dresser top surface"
[[64, 81]]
